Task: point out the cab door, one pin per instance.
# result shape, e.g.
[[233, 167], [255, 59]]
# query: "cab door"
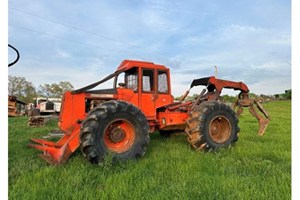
[[148, 96], [164, 96]]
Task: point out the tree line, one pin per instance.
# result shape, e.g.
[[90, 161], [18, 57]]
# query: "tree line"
[[25, 91]]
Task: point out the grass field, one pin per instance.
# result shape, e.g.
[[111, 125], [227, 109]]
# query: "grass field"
[[255, 168]]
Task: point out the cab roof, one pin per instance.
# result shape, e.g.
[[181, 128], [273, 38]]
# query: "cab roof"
[[128, 64]]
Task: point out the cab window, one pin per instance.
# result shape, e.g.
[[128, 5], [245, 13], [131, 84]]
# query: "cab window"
[[148, 80], [131, 79], [162, 82]]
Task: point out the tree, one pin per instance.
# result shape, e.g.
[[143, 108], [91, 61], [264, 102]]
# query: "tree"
[[65, 86], [21, 88], [228, 98], [288, 94], [55, 89]]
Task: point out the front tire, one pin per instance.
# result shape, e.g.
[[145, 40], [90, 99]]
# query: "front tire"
[[115, 127], [212, 125]]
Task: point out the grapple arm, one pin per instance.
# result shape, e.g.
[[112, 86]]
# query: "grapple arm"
[[244, 101], [218, 84]]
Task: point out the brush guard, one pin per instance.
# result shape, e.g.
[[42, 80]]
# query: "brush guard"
[[58, 152]]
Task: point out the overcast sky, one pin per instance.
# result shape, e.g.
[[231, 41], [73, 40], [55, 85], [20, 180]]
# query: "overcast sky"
[[83, 41]]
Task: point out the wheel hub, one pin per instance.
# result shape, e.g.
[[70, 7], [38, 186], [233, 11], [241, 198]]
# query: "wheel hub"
[[117, 135], [220, 129]]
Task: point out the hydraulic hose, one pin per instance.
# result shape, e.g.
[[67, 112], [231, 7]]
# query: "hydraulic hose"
[[18, 56]]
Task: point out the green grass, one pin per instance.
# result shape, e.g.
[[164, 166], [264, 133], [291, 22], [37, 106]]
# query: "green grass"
[[255, 168]]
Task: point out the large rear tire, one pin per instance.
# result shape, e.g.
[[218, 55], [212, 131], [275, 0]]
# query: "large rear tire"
[[115, 127], [212, 125]]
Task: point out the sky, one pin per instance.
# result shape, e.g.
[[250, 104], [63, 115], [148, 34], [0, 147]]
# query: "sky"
[[83, 41]]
